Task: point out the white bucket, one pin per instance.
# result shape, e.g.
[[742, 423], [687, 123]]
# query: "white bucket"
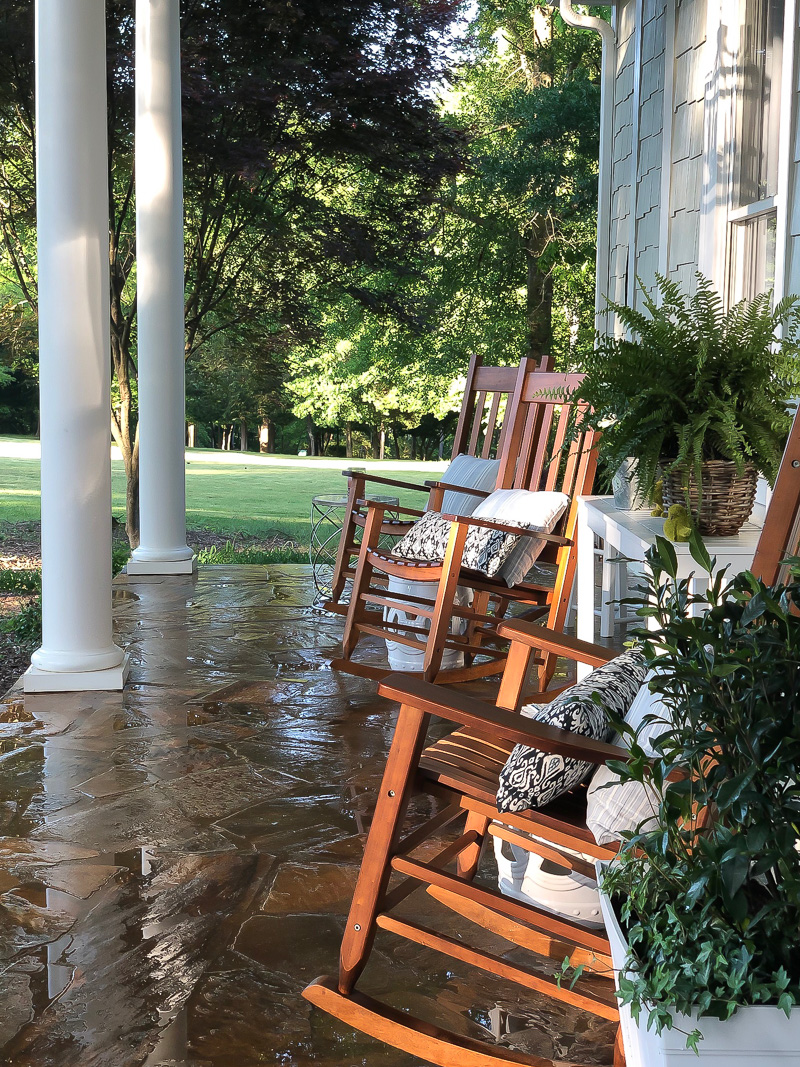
[[403, 657]]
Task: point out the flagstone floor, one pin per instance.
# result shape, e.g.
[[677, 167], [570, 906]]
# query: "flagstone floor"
[[176, 861]]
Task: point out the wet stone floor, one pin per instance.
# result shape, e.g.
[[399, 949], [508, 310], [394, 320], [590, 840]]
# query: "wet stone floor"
[[176, 861]]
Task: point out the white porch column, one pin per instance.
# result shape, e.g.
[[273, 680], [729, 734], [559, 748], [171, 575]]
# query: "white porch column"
[[159, 266], [77, 649]]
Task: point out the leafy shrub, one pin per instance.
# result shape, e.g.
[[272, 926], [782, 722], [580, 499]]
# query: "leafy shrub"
[[710, 896]]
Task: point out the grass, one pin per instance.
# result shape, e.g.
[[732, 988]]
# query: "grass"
[[230, 493]]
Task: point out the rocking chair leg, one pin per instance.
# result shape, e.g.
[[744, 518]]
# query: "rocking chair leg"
[[480, 603], [445, 596], [395, 791], [468, 860], [347, 538], [357, 609]]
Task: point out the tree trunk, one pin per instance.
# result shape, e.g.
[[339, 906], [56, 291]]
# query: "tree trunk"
[[413, 445], [348, 447], [266, 442], [441, 444], [539, 298], [312, 440], [242, 435], [395, 441], [191, 435]]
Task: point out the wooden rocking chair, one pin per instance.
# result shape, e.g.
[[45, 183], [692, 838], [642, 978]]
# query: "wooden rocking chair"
[[461, 771], [484, 430], [537, 440]]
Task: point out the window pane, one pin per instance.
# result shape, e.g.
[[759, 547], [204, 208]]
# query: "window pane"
[[752, 264], [758, 76]]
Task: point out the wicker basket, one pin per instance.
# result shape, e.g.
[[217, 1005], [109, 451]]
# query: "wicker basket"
[[727, 497]]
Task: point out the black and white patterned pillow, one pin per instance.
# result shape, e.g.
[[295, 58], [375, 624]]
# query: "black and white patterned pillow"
[[485, 550], [532, 778]]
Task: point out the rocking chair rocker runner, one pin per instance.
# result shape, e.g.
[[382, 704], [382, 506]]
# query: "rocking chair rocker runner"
[[538, 438], [484, 431]]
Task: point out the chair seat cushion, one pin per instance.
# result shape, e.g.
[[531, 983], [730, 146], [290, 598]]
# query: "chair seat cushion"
[[614, 807], [473, 473], [532, 778]]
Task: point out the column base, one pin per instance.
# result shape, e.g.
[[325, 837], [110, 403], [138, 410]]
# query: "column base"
[[161, 566], [110, 680]]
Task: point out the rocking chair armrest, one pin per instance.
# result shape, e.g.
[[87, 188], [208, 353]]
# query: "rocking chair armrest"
[[385, 481], [467, 710], [482, 493], [516, 531], [528, 633], [373, 505]]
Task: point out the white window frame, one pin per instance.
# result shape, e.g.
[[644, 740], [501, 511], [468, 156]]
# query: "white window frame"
[[718, 214]]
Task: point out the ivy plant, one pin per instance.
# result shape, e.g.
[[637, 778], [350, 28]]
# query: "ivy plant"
[[690, 381], [709, 895]]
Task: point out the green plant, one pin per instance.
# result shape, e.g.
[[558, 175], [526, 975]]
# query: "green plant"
[[691, 381], [231, 554], [712, 905]]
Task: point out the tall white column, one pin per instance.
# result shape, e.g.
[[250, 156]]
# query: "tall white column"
[[77, 649], [159, 271]]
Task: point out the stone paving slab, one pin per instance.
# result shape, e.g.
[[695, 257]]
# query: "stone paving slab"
[[176, 861]]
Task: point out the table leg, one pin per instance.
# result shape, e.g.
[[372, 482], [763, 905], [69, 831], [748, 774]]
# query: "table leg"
[[585, 581]]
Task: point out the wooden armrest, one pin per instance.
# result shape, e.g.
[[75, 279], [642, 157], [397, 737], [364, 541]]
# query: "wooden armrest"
[[516, 531], [458, 489], [468, 711], [385, 481], [528, 633], [376, 505]]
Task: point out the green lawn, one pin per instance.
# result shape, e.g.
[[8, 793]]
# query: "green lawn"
[[230, 493]]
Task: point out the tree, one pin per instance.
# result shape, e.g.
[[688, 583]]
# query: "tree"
[[311, 141], [506, 266]]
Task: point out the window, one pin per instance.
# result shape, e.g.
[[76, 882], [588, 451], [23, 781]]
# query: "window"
[[752, 216]]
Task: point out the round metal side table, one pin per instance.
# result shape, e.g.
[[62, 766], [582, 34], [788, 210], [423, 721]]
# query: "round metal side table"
[[327, 520]]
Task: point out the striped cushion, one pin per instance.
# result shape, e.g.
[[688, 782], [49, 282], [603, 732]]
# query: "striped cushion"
[[614, 807]]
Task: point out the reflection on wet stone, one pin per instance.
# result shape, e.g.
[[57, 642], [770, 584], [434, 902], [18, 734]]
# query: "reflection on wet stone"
[[176, 862]]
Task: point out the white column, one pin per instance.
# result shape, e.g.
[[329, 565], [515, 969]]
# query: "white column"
[[159, 269], [74, 357]]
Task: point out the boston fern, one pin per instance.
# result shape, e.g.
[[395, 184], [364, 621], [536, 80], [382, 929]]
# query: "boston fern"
[[692, 382], [710, 894]]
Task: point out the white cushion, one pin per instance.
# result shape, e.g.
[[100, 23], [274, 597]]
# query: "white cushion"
[[473, 473], [540, 511], [613, 806]]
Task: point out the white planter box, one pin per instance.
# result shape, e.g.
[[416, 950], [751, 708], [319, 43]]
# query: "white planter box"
[[757, 1036]]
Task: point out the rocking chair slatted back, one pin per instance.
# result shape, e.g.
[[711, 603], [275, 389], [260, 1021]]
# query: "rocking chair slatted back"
[[479, 432]]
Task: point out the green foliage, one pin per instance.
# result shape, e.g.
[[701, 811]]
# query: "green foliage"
[[254, 556], [20, 582], [691, 381], [120, 554], [26, 623], [712, 906]]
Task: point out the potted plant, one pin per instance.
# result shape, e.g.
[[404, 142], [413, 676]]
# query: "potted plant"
[[699, 397], [703, 906]]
